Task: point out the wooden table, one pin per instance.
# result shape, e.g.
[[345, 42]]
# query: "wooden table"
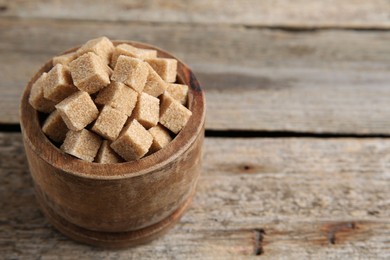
[[297, 154]]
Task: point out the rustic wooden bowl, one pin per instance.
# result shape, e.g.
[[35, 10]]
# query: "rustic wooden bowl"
[[116, 205]]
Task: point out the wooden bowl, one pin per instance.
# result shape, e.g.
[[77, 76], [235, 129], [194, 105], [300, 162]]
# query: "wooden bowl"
[[116, 205]]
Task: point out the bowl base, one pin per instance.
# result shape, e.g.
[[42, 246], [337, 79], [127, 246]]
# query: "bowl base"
[[112, 239]]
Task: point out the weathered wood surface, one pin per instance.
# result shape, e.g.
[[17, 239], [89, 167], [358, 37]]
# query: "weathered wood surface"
[[282, 13], [279, 198], [331, 81]]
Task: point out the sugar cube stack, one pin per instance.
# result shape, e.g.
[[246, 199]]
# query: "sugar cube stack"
[[147, 111], [131, 71], [54, 127], [166, 68], [131, 51], [111, 104], [89, 73], [161, 137], [109, 123], [82, 144], [64, 59], [178, 92], [173, 115], [58, 84], [118, 96], [106, 154], [134, 142], [37, 98], [77, 110]]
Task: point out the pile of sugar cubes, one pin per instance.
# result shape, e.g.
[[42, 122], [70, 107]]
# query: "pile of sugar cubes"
[[110, 104]]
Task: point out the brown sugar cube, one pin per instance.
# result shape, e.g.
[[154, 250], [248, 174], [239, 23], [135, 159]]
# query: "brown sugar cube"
[[109, 123], [154, 85], [161, 137], [54, 127], [166, 68], [134, 141], [178, 92], [36, 98], [106, 154], [118, 96], [101, 46], [58, 84], [131, 71], [89, 73], [147, 110], [131, 51], [173, 115], [146, 53], [82, 144], [64, 59], [109, 70], [78, 110]]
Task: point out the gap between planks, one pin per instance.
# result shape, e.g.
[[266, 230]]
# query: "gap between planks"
[[15, 128]]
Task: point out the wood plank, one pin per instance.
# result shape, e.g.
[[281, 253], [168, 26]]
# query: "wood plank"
[[281, 13], [319, 82], [297, 198]]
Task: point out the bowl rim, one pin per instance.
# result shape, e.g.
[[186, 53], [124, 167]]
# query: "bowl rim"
[[34, 137]]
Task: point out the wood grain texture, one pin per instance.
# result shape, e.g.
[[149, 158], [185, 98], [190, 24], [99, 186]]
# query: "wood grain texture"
[[320, 82], [282, 13], [116, 205], [301, 198]]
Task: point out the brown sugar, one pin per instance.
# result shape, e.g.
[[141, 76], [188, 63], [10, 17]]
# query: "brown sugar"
[[101, 46], [109, 103], [178, 92], [36, 98], [134, 141], [54, 127], [131, 51], [131, 71], [155, 85], [108, 70], [166, 68], [147, 110], [173, 115], [161, 137], [78, 110], [106, 154], [64, 59], [118, 96], [89, 73], [109, 123], [58, 84], [82, 144]]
